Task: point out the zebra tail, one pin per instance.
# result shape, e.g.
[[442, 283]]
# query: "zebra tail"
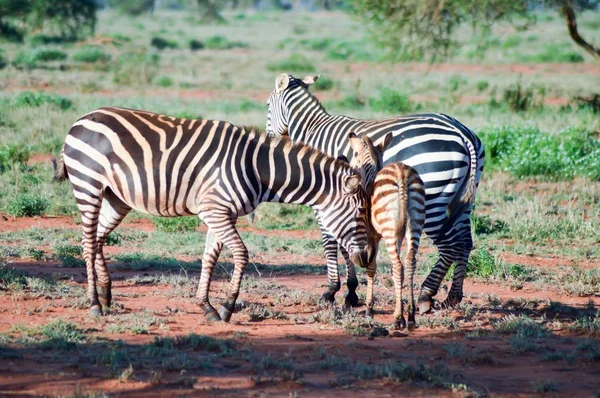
[[468, 195], [60, 171], [400, 216]]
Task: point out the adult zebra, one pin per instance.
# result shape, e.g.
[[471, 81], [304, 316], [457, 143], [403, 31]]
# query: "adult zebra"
[[447, 155], [118, 159]]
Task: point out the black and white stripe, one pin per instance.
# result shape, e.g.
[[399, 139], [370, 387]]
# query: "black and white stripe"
[[447, 155], [120, 159]]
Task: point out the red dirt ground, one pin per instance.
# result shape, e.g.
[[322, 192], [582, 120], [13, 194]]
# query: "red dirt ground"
[[296, 339]]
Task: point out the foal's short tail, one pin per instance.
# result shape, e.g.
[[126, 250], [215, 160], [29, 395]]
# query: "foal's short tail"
[[60, 171]]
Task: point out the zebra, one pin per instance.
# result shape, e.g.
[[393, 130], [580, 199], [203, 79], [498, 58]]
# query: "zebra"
[[397, 210], [122, 159], [447, 155]]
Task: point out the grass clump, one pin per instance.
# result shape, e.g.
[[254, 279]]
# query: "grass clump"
[[162, 43], [90, 55], [196, 45], [521, 326], [324, 83], [295, 63], [555, 53], [27, 205], [34, 58], [528, 152], [132, 69], [587, 324], [390, 101], [285, 217], [176, 224], [218, 42], [164, 81], [11, 155], [398, 372], [484, 225], [519, 98], [33, 100], [349, 51]]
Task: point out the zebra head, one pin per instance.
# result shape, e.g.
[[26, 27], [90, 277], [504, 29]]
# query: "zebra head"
[[288, 90], [368, 157], [346, 217]]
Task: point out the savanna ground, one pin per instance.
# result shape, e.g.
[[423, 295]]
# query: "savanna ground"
[[529, 323]]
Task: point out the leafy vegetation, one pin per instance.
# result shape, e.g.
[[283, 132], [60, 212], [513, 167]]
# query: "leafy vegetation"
[[295, 63]]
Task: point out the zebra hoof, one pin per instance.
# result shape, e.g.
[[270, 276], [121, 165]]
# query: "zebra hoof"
[[425, 305], [351, 300], [225, 313], [105, 296], [412, 325], [328, 297], [95, 311], [400, 324], [211, 314]]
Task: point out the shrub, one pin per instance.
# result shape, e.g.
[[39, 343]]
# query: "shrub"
[[221, 43], [30, 99], [136, 69], [390, 101], [196, 45], [294, 63], [482, 264], [176, 224], [528, 152], [349, 51], [27, 205], [90, 55], [324, 83], [161, 43], [132, 7], [13, 155], [559, 53], [164, 81], [484, 225], [32, 59], [482, 85], [521, 99]]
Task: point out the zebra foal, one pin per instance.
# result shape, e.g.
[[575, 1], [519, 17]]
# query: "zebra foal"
[[120, 159], [447, 155], [397, 211]]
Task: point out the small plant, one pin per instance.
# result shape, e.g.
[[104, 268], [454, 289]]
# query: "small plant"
[[295, 63], [176, 224], [32, 59], [135, 69], [161, 43], [164, 81], [221, 43], [349, 51], [544, 386], [482, 85], [521, 99], [27, 205], [11, 155], [324, 83], [196, 45], [90, 55], [31, 99], [521, 326], [390, 101]]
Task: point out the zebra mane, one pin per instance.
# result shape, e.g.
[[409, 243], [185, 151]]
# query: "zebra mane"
[[259, 133]]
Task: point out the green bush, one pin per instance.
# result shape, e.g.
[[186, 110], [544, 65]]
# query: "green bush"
[[295, 63], [196, 45], [221, 43], [32, 59], [90, 55], [161, 43], [13, 155], [528, 152], [482, 264], [27, 205], [324, 83], [558, 53], [519, 98], [30, 99], [164, 81], [390, 101], [176, 224], [132, 7], [482, 85], [321, 44], [511, 42], [133, 69]]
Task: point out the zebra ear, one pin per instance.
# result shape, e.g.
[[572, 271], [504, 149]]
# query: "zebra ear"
[[351, 183], [386, 142], [308, 80], [356, 143], [282, 82]]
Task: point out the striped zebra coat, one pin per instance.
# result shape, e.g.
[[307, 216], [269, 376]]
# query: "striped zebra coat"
[[447, 155], [397, 211], [120, 159]]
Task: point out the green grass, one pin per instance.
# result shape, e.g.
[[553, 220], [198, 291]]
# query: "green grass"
[[391, 101], [222, 43], [36, 58], [27, 205], [90, 55], [295, 63], [175, 224], [37, 99]]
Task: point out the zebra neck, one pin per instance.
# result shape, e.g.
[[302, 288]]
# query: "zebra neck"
[[297, 174]]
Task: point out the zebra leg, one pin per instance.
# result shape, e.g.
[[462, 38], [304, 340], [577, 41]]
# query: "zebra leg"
[[466, 245], [411, 265], [211, 254], [228, 234], [432, 283], [112, 212], [392, 244], [330, 248], [370, 302], [90, 210], [351, 299]]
